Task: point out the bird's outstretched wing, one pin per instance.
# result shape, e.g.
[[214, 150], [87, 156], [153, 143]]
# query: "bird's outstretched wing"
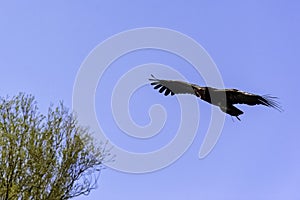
[[235, 96], [172, 87]]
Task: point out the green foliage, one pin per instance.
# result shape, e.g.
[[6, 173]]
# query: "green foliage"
[[45, 156]]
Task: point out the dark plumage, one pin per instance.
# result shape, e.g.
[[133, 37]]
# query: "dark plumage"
[[224, 98]]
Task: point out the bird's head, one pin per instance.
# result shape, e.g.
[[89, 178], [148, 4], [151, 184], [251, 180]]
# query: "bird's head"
[[199, 92]]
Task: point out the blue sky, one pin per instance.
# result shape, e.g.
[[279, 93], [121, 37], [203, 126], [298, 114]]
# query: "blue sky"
[[255, 45]]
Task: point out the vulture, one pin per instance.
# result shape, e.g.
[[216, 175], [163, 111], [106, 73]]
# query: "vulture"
[[223, 98]]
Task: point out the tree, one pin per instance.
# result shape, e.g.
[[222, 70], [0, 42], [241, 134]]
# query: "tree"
[[45, 156]]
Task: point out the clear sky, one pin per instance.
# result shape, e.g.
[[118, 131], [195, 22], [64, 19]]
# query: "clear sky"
[[255, 45]]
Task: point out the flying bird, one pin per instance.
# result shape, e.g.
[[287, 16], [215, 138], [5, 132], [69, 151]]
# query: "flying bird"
[[223, 98]]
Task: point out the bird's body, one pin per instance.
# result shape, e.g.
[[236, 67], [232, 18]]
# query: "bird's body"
[[223, 98]]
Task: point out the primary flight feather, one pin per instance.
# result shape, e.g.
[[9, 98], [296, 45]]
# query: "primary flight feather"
[[224, 98]]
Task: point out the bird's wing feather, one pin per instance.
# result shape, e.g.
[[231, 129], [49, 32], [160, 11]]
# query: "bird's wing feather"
[[172, 87], [235, 96]]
